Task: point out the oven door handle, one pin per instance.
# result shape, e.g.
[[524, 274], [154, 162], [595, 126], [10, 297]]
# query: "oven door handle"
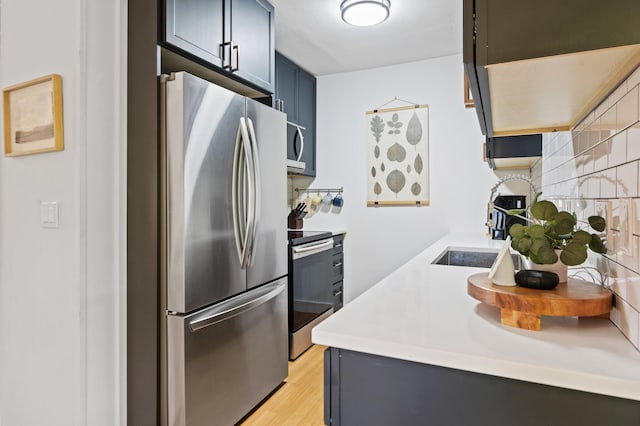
[[310, 249], [237, 306]]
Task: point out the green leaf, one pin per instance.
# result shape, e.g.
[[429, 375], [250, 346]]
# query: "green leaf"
[[514, 212], [524, 244], [534, 258], [537, 243], [581, 237], [573, 254], [535, 231], [546, 256], [564, 227], [517, 230], [597, 245], [544, 210], [563, 215], [598, 223]]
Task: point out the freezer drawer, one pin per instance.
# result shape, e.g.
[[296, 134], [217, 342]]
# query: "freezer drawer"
[[223, 360]]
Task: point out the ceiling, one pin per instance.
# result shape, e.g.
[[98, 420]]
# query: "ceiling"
[[312, 34]]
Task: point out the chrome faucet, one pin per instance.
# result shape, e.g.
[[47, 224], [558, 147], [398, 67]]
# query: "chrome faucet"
[[491, 206]]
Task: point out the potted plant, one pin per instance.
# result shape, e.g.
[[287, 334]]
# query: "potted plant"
[[553, 240]]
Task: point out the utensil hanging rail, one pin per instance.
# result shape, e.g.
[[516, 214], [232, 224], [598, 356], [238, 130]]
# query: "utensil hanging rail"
[[338, 190]]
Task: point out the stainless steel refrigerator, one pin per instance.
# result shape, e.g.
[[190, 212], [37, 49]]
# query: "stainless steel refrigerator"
[[224, 257]]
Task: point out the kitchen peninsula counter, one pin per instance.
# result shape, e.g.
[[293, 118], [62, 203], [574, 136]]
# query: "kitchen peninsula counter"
[[422, 313]]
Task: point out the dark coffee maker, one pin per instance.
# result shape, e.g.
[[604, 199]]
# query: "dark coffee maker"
[[501, 221]]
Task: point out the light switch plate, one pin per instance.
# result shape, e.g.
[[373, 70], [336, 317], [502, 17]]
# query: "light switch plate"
[[49, 214]]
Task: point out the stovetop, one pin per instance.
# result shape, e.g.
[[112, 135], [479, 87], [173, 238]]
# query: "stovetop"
[[300, 236]]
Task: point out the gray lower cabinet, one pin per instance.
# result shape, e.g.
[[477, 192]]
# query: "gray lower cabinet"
[[337, 272], [234, 37], [295, 95], [364, 389]]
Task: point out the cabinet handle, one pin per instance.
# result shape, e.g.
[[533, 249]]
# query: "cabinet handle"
[[229, 66], [237, 49], [335, 265], [337, 292], [226, 56], [338, 245]]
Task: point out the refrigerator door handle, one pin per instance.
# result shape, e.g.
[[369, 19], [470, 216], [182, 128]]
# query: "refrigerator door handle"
[[257, 188], [242, 219], [236, 306]]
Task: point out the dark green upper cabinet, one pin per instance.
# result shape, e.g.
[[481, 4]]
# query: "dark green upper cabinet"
[[296, 96], [234, 37], [540, 66]]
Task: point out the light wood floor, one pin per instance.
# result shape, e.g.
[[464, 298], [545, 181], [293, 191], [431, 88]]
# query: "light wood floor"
[[299, 401]]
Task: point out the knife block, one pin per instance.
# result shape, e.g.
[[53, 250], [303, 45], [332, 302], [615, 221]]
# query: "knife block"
[[293, 222]]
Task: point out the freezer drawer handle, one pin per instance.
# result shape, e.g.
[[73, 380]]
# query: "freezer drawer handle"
[[224, 313]]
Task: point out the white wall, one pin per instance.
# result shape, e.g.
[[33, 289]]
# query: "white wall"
[[381, 239], [61, 326]]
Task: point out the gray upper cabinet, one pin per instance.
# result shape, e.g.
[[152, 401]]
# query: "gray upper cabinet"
[[540, 66], [296, 96], [252, 40], [287, 87], [236, 37]]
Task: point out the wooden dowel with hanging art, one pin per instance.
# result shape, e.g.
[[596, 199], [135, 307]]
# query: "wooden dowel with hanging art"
[[398, 155]]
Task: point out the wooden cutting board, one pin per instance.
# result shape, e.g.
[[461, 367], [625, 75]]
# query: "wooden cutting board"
[[522, 307]]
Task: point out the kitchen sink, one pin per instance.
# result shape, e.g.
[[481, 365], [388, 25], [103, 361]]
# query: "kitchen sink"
[[473, 258]]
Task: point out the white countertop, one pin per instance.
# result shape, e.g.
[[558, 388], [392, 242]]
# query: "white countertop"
[[422, 312]]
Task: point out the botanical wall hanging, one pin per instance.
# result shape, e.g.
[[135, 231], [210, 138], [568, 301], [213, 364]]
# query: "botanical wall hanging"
[[398, 156]]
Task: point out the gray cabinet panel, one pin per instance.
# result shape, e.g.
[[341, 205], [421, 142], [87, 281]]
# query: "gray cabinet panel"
[[286, 87], [296, 89], [252, 31], [364, 389], [235, 36], [197, 27], [307, 119]]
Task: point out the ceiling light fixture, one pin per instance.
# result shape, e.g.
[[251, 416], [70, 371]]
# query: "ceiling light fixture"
[[364, 13]]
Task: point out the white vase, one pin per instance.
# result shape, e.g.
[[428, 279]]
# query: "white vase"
[[558, 267]]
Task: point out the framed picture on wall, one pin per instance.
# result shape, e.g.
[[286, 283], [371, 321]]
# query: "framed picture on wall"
[[33, 116], [398, 156]]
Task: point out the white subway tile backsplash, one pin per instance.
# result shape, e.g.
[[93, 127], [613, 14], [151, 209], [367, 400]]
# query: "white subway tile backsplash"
[[625, 282], [627, 180], [635, 217], [601, 208], [587, 162], [617, 150], [627, 109], [600, 154], [626, 319], [608, 183], [633, 142], [612, 243], [595, 169], [594, 133], [608, 123], [589, 208]]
